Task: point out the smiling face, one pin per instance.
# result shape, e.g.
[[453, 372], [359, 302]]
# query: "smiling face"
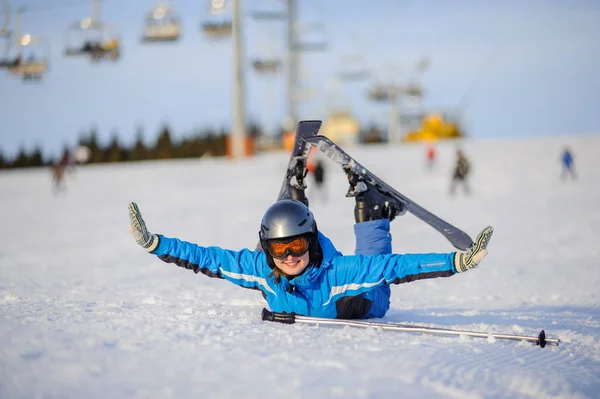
[[293, 265]]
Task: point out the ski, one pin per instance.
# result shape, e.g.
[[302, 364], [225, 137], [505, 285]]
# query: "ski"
[[457, 237], [292, 318], [293, 184]]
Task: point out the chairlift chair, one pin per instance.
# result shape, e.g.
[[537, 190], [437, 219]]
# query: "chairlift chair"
[[162, 24], [354, 68], [219, 26], [97, 41], [266, 65], [33, 66], [414, 90], [379, 94], [356, 75], [217, 30]]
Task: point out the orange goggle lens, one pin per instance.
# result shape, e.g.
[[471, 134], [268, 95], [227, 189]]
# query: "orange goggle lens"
[[295, 247]]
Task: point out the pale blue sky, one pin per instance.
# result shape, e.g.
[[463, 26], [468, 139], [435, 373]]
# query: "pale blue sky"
[[541, 73]]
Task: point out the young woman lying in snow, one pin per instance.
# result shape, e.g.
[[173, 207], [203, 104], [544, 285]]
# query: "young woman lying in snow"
[[300, 270]]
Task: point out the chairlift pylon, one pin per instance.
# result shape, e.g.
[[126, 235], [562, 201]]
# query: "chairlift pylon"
[[162, 24]]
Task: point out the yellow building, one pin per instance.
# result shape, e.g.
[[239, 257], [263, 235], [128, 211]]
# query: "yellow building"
[[435, 126], [341, 128]]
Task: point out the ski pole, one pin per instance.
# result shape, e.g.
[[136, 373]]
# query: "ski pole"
[[292, 318]]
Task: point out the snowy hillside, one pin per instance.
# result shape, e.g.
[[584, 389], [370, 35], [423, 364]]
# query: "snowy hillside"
[[85, 313]]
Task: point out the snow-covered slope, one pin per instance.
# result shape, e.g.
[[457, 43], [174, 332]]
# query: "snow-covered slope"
[[84, 312]]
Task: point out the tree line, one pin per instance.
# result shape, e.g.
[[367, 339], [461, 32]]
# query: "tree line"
[[164, 147], [206, 142]]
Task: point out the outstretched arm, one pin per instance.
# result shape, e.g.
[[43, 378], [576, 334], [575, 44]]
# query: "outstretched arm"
[[360, 273], [245, 268]]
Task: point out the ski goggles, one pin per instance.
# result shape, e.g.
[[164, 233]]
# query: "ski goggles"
[[280, 249]]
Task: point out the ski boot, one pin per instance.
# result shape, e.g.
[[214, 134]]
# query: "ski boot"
[[297, 183], [371, 204]]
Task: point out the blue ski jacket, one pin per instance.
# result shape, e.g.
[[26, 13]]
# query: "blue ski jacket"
[[318, 291]]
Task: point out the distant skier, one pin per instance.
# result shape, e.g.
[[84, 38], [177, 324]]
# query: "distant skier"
[[58, 177], [318, 172], [431, 156], [462, 169], [301, 271], [568, 168], [59, 169]]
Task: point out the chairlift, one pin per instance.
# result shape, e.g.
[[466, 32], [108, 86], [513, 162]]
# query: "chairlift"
[[358, 75], [220, 25], [30, 60], [35, 64], [379, 93], [26, 55], [267, 66], [414, 91], [162, 24], [353, 69], [93, 39]]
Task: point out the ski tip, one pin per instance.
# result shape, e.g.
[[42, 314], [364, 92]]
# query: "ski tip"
[[310, 125]]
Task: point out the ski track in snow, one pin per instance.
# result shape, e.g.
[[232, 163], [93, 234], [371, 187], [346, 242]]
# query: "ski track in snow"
[[86, 313]]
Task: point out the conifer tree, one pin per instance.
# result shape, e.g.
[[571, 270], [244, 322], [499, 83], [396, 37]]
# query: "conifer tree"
[[97, 153], [164, 146], [113, 151], [140, 151]]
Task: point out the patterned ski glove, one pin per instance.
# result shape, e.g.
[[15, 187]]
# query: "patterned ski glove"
[[467, 261], [139, 231]]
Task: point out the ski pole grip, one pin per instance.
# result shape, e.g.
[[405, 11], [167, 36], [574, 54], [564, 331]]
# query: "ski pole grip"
[[285, 318]]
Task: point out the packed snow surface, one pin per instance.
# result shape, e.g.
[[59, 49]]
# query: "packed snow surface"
[[86, 313]]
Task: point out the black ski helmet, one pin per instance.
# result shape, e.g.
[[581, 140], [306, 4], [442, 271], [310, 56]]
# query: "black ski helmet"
[[290, 218]]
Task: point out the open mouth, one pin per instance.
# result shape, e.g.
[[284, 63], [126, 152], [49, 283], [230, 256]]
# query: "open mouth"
[[292, 265]]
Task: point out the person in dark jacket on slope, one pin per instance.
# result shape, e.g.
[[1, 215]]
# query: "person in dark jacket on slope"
[[461, 172], [299, 270]]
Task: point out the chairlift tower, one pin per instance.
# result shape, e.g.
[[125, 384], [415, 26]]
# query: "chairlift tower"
[[238, 133], [226, 22], [394, 93], [294, 49]]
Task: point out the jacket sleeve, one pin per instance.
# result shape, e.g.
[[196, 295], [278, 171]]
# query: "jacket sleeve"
[[356, 274], [245, 268]]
